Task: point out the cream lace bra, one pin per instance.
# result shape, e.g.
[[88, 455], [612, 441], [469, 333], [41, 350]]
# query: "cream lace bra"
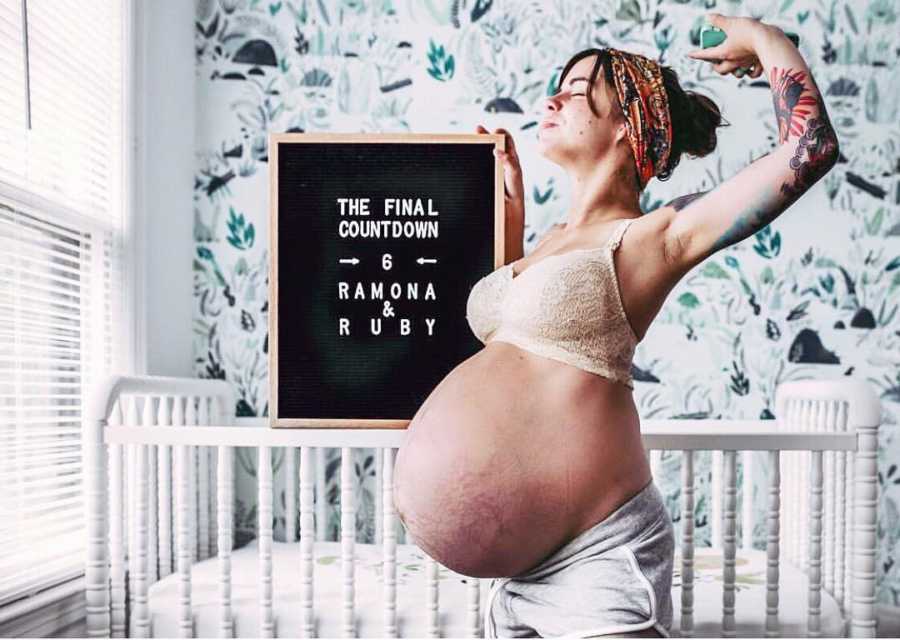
[[566, 307]]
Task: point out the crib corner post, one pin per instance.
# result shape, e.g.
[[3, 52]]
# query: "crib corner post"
[[96, 569], [865, 489]]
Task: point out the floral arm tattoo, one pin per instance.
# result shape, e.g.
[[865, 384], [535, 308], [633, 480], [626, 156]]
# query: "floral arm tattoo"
[[803, 121], [808, 144], [804, 125]]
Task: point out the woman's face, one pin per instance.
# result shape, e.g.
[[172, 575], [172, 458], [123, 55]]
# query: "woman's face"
[[569, 133]]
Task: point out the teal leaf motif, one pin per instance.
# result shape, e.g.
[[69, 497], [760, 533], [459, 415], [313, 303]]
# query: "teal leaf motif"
[[629, 10], [768, 244], [689, 300], [274, 8], [785, 6], [240, 234], [206, 254], [541, 198], [713, 270], [442, 64], [851, 19]]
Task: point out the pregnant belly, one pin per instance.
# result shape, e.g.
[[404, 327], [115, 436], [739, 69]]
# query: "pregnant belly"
[[511, 456]]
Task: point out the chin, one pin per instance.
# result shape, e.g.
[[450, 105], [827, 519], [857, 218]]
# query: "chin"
[[550, 153]]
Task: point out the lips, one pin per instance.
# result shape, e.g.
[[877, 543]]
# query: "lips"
[[547, 123]]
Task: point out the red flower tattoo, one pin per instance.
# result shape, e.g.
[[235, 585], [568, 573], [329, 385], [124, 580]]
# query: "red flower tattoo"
[[792, 105]]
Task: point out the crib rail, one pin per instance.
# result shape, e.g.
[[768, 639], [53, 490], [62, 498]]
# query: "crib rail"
[[851, 564]]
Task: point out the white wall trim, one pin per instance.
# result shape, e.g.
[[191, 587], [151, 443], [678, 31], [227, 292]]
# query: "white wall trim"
[[136, 235]]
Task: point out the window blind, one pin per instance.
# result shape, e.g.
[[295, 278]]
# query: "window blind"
[[62, 219]]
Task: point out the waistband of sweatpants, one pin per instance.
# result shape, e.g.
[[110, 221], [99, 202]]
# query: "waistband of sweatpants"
[[641, 515]]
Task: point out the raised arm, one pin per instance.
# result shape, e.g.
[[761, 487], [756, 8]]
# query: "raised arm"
[[700, 224]]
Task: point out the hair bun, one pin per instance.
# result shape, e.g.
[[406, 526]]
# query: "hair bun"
[[695, 118]]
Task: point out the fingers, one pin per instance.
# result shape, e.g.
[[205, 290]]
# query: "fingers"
[[509, 143], [753, 70], [712, 54], [726, 66], [717, 20]]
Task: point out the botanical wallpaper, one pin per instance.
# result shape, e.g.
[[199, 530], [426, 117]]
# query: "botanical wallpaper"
[[814, 294]]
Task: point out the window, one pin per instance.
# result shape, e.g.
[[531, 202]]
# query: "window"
[[63, 215]]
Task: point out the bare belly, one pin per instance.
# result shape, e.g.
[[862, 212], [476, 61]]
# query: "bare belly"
[[511, 456]]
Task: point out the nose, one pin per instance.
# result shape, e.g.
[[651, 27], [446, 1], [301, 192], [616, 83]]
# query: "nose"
[[551, 104]]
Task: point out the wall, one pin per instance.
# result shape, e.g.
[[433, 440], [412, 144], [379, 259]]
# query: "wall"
[[814, 294], [165, 144]]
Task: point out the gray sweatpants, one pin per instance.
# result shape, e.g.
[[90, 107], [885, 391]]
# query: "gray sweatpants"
[[613, 578]]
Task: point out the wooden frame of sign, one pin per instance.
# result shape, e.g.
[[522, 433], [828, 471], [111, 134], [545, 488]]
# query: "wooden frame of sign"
[[419, 168]]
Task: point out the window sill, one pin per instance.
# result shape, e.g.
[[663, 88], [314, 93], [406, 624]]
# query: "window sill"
[[45, 612]]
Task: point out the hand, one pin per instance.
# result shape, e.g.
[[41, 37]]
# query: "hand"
[[513, 187], [737, 54]]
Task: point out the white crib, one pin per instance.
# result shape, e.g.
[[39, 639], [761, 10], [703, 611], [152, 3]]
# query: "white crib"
[[160, 558]]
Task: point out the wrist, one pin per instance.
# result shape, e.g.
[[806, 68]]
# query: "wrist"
[[765, 34]]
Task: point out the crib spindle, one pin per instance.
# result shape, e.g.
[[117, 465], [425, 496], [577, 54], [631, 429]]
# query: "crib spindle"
[[840, 541], [307, 539], [225, 538], [348, 540], [140, 613], [321, 503], [290, 494], [152, 514], [131, 419], [389, 545], [218, 419], [116, 532], [865, 498], [747, 502], [164, 482], [729, 547], [687, 543], [264, 483], [715, 521], [827, 421], [805, 470], [849, 535], [203, 484], [773, 628], [656, 462], [379, 494], [432, 596], [183, 541], [814, 624], [191, 420]]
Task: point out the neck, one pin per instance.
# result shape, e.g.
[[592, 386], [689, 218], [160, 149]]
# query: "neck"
[[603, 192]]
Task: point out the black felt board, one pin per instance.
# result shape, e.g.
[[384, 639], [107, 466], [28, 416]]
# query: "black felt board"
[[323, 378]]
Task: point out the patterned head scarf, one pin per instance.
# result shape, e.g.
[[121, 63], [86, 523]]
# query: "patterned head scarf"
[[642, 95]]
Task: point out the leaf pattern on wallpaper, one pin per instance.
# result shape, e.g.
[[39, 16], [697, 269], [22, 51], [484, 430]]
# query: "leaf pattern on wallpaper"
[[813, 294]]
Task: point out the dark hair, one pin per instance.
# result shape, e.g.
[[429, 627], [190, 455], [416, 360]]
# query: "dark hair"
[[694, 116]]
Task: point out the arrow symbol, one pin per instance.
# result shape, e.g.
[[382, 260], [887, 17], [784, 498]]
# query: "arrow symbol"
[[349, 260], [424, 260]]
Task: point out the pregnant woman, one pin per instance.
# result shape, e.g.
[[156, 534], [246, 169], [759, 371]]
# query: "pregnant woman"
[[526, 463]]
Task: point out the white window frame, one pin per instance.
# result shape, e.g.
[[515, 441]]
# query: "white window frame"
[[62, 605]]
